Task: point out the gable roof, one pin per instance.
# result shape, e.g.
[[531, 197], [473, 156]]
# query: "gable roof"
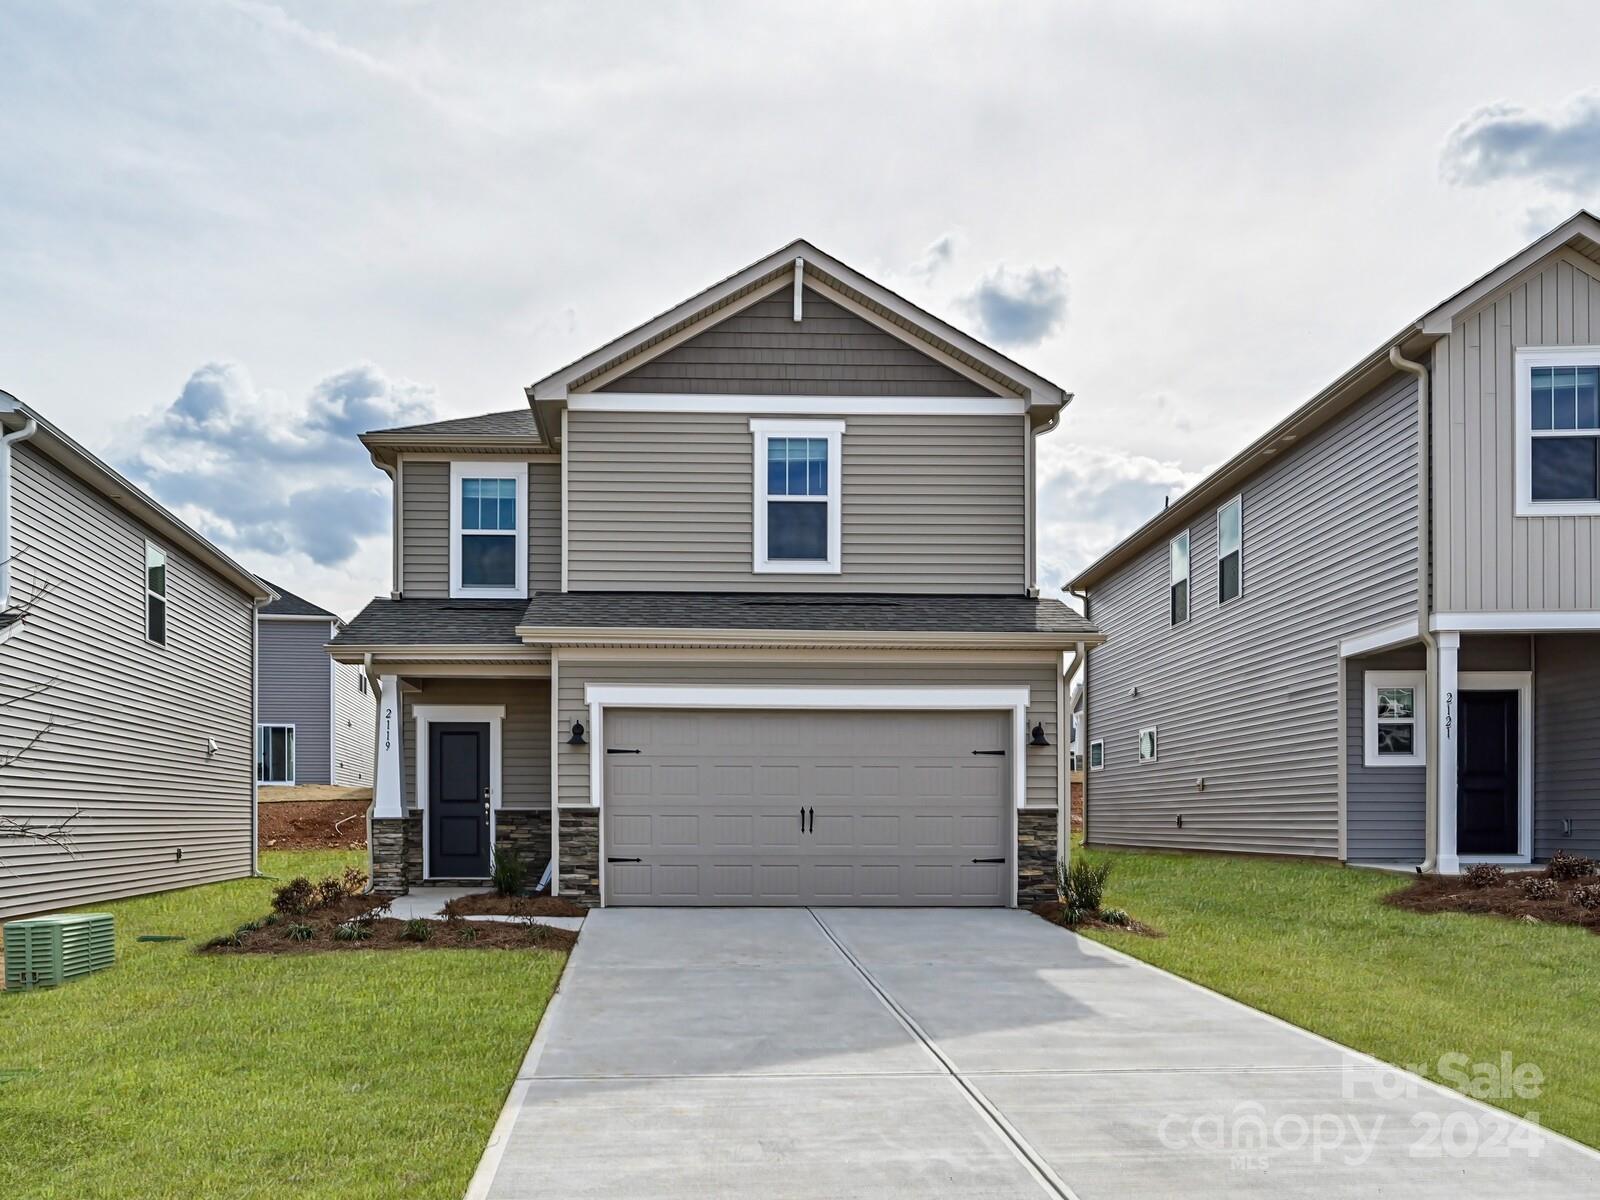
[[771, 274], [1579, 232], [289, 605], [488, 433]]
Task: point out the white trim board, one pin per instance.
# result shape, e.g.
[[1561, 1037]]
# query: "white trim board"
[[1570, 621], [761, 431], [1526, 359], [424, 714], [1379, 639], [845, 406], [1371, 682], [1520, 682], [517, 472]]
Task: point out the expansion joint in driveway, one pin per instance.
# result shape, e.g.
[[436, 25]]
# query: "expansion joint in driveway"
[[1048, 1180]]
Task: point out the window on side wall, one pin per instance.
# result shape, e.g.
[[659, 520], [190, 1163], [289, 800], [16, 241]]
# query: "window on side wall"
[[275, 754], [1396, 729], [1230, 549], [1558, 431], [1097, 754], [1179, 578], [1147, 745], [797, 480], [155, 594], [489, 529]]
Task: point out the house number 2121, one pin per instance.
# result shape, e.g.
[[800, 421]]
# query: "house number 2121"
[[1449, 712]]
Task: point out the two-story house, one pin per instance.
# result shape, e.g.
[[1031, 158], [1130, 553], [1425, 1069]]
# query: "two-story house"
[[1375, 633], [739, 608]]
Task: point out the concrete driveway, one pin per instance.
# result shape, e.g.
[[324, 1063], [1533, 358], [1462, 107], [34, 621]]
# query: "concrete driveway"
[[969, 1053]]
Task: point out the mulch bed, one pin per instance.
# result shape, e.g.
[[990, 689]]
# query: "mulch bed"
[[313, 825], [492, 903], [386, 933], [1054, 912], [1444, 894]]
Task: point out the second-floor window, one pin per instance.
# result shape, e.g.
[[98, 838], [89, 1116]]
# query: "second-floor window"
[[489, 529], [155, 594], [1558, 427], [1230, 546], [1179, 578], [797, 502]]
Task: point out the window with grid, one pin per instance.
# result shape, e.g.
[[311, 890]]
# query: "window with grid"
[[488, 533], [1564, 456]]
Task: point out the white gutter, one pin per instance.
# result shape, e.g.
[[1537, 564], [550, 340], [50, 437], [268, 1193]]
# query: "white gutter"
[[1424, 561], [6, 442]]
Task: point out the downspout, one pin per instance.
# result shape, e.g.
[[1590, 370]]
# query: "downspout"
[[29, 428], [1424, 608]]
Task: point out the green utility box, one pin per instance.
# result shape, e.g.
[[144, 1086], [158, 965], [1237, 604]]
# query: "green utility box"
[[48, 951]]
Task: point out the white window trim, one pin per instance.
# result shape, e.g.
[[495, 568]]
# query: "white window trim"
[[294, 753], [163, 595], [1527, 358], [1188, 577], [1520, 682], [1101, 765], [494, 716], [1416, 680], [833, 431], [484, 469], [1239, 500], [1155, 744]]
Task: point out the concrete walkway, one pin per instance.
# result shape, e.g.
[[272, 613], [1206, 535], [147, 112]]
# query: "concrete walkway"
[[428, 903], [970, 1053]]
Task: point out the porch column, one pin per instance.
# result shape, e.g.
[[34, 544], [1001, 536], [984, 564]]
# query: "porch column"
[[387, 798], [1444, 750]]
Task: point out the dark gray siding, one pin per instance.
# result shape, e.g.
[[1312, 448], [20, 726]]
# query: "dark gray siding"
[[763, 350], [1246, 697], [354, 713], [664, 501], [1566, 740], [296, 684], [128, 721], [1386, 813], [425, 518], [525, 735]]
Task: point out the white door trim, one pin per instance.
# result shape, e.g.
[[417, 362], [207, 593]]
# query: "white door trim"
[[1520, 682], [425, 714]]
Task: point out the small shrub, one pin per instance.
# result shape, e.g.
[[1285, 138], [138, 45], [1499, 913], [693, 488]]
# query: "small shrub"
[[328, 892], [467, 933], [299, 932], [1564, 865], [1116, 916], [1082, 885], [354, 880], [1485, 875], [222, 940], [294, 897], [352, 931], [1538, 887], [417, 930], [508, 874], [1586, 895]]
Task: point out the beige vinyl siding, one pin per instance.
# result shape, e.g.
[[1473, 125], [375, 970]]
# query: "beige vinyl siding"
[[425, 519], [801, 668], [131, 720], [763, 350], [295, 688], [665, 501], [1566, 744], [1489, 559], [525, 733], [1245, 696], [354, 714]]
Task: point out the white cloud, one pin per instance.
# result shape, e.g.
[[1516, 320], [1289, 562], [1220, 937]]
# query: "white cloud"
[[1559, 149], [1020, 306]]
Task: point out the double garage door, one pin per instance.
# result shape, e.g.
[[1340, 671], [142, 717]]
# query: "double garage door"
[[710, 807]]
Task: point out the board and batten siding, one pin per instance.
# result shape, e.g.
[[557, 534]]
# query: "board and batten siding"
[[425, 527], [295, 688], [1245, 696], [665, 502], [524, 734], [354, 717], [128, 721], [1488, 558], [1038, 674], [763, 350]]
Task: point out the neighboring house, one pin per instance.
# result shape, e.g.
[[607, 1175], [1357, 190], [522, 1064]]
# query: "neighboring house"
[[315, 717], [1374, 635], [126, 706], [740, 608]]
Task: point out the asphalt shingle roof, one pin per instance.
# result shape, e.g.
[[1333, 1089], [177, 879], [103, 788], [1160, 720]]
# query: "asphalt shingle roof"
[[436, 623], [289, 605], [517, 423]]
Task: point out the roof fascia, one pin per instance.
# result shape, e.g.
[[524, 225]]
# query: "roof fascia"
[[1440, 320]]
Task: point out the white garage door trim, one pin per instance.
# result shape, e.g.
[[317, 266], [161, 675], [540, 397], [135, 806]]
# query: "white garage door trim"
[[1007, 699]]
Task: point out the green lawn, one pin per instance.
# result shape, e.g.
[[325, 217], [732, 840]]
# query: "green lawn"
[[330, 1075], [1311, 943]]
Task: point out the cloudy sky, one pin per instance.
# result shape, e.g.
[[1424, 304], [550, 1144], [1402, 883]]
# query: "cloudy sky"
[[234, 233]]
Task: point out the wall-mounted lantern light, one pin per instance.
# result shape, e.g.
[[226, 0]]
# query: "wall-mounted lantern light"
[[1039, 738], [577, 738]]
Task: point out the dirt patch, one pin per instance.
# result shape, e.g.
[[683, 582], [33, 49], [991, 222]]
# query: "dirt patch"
[[1439, 894], [317, 932], [513, 906], [1055, 912], [313, 825]]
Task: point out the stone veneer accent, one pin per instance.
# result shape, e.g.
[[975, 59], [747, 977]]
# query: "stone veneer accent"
[[387, 838], [1036, 856], [525, 833], [397, 846], [580, 856]]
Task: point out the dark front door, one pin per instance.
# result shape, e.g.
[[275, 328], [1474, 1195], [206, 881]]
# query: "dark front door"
[[1486, 774], [458, 800]]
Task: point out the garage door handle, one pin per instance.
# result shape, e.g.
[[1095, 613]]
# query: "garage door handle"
[[988, 751], [989, 860], [802, 818], [611, 750], [609, 859], [813, 820]]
